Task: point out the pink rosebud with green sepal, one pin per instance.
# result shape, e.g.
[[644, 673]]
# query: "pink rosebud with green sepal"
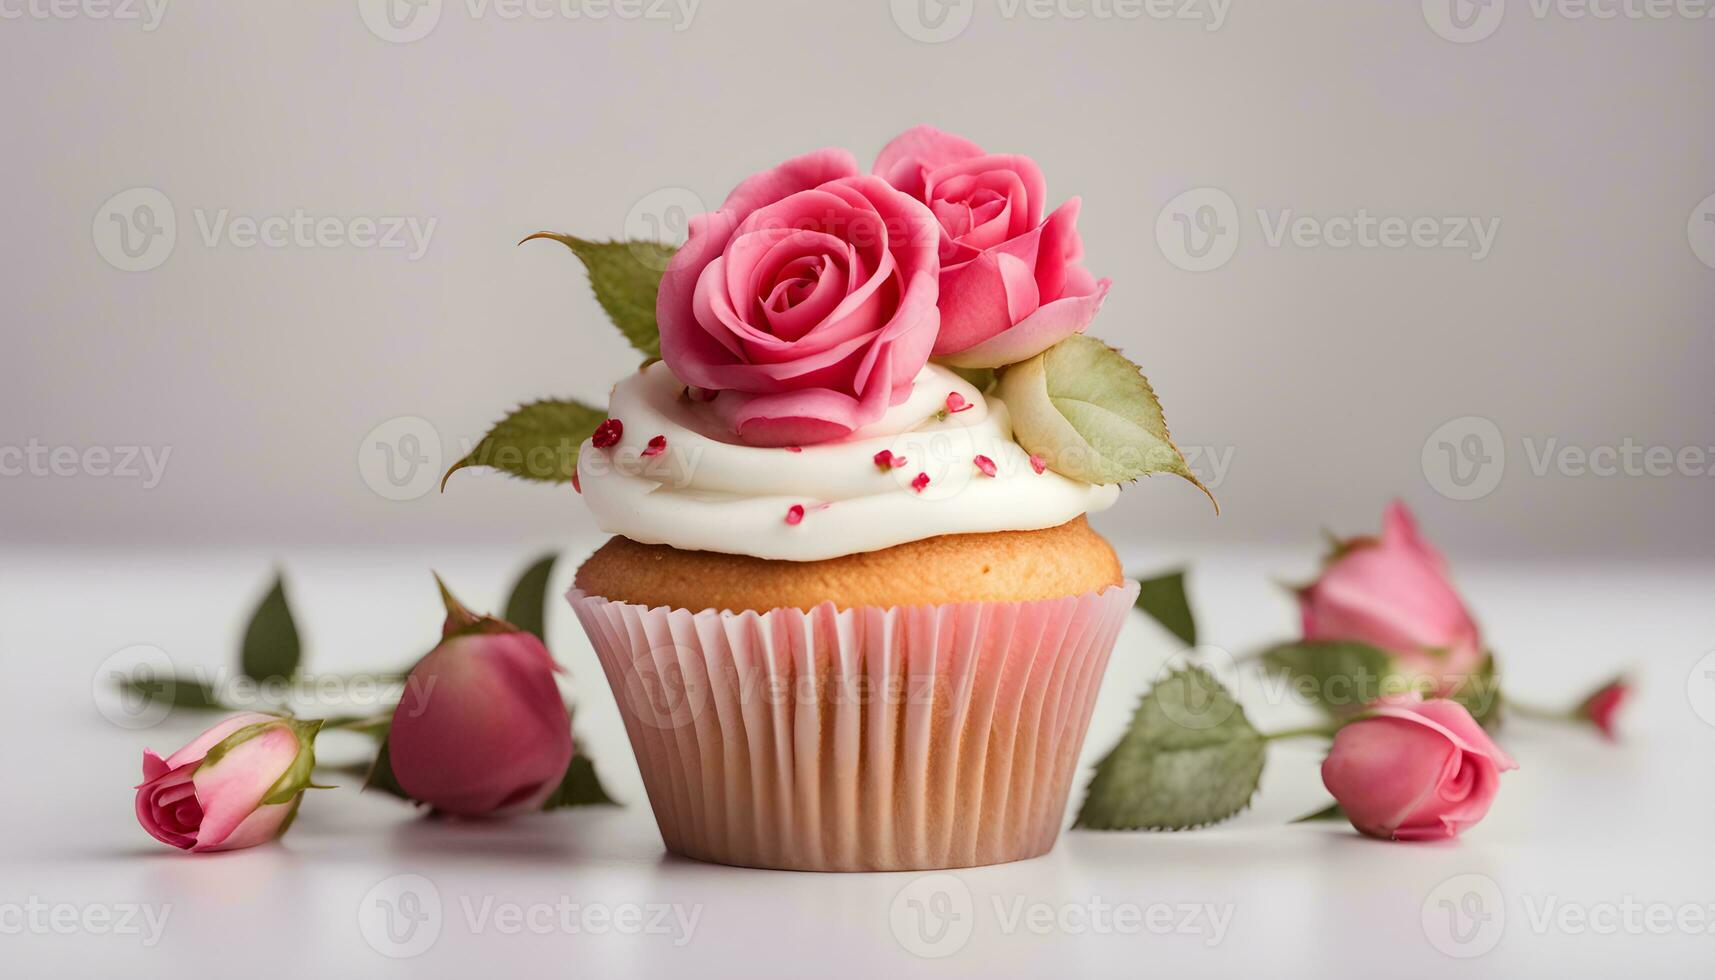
[[482, 729], [236, 785]]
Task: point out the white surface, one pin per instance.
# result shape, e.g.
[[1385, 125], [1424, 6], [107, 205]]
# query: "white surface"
[[1583, 824]]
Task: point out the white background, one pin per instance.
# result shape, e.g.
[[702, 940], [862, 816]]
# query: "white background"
[[1319, 372]]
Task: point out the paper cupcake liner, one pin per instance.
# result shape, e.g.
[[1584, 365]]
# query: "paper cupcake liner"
[[866, 739]]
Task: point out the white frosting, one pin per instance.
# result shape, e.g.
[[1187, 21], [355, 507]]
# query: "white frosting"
[[705, 493]]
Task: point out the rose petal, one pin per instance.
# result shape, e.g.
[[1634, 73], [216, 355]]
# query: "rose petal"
[[912, 154], [801, 173], [233, 787], [1034, 334]]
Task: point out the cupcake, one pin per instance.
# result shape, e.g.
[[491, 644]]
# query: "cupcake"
[[852, 610]]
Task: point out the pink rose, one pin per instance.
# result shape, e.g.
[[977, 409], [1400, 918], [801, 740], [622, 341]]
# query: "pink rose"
[[1602, 708], [1410, 769], [481, 729], [1010, 284], [807, 302], [236, 785], [1394, 594]]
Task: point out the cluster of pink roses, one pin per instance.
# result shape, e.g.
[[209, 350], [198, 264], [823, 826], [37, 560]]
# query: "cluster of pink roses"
[[1417, 765], [812, 298], [1407, 768]]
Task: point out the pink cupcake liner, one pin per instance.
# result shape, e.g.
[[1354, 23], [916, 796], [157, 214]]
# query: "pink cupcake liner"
[[866, 739]]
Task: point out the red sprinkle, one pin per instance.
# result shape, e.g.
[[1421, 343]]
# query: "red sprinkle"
[[956, 403], [1037, 464], [919, 481], [656, 447], [576, 485], [607, 434], [985, 464], [795, 514], [885, 460], [794, 449]]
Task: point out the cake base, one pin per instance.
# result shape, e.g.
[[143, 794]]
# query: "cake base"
[[907, 738]]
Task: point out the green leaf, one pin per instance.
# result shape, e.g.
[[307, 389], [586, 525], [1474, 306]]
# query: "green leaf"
[[381, 775], [1480, 693], [625, 276], [537, 442], [271, 648], [579, 787], [1189, 759], [179, 692], [1330, 812], [1339, 676], [1163, 598], [527, 607], [982, 379], [1091, 415]]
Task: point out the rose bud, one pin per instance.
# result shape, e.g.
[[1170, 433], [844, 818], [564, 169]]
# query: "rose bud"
[[236, 785], [1393, 593], [481, 729], [1409, 769], [1601, 707]]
